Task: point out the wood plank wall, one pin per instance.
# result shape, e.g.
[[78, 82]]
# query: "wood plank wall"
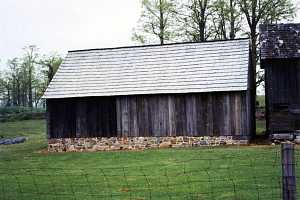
[[205, 114], [81, 117], [283, 94]]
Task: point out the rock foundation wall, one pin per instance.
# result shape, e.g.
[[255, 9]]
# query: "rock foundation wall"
[[137, 143]]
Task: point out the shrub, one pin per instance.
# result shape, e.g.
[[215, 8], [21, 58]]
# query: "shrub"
[[20, 113]]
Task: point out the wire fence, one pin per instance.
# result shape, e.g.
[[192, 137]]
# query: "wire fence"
[[195, 176]]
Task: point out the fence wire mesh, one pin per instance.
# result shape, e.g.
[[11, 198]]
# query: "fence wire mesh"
[[195, 174]]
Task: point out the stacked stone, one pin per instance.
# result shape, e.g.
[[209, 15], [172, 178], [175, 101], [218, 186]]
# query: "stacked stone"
[[136, 143]]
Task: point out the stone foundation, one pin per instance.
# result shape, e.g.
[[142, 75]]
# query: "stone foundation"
[[138, 143]]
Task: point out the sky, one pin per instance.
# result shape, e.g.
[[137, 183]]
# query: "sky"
[[62, 25]]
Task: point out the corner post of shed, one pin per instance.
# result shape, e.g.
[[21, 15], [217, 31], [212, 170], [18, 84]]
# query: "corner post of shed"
[[288, 171], [48, 115], [251, 96]]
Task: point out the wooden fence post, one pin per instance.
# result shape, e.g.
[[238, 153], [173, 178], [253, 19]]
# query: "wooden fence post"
[[288, 171]]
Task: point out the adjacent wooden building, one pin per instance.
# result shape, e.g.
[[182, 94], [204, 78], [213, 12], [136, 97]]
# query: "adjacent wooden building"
[[182, 89], [280, 58]]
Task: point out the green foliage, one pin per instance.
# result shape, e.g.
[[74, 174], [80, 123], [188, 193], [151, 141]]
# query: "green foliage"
[[27, 77], [260, 127], [50, 65], [261, 100], [266, 11], [226, 19], [18, 109], [23, 116], [195, 16], [156, 22], [20, 113], [199, 20], [13, 110], [259, 12]]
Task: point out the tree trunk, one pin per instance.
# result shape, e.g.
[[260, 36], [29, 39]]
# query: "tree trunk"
[[232, 20], [203, 6], [8, 103], [18, 93], [202, 25], [50, 73], [30, 87], [14, 92], [252, 74], [161, 23]]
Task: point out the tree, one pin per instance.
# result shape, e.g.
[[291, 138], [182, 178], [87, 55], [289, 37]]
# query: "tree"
[[226, 19], [49, 66], [39, 86], [51, 63], [15, 76], [157, 20], [26, 78], [29, 62], [262, 11], [194, 16], [5, 89]]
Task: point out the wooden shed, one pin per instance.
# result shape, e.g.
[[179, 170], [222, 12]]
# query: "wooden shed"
[[280, 58], [155, 91]]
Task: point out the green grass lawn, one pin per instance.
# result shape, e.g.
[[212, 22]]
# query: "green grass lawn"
[[260, 127], [260, 124], [28, 172], [261, 100]]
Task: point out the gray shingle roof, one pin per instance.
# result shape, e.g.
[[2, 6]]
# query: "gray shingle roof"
[[174, 68]]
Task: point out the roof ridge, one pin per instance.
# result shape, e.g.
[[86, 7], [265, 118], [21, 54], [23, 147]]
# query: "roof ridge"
[[154, 45]]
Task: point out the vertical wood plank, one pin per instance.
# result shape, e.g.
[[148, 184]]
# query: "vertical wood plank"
[[163, 115], [180, 115], [191, 117], [112, 116], [237, 105], [49, 119], [133, 128], [91, 117], [119, 117], [201, 120], [171, 114], [155, 116], [149, 115], [79, 118], [218, 115], [125, 116], [227, 115], [210, 115], [143, 116], [244, 118]]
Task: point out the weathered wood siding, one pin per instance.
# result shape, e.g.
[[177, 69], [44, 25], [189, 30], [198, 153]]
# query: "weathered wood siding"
[[202, 114], [206, 114], [283, 94], [81, 117]]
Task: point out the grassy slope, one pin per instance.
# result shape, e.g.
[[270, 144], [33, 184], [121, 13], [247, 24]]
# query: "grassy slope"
[[260, 124], [260, 127], [261, 100], [194, 173], [32, 129]]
